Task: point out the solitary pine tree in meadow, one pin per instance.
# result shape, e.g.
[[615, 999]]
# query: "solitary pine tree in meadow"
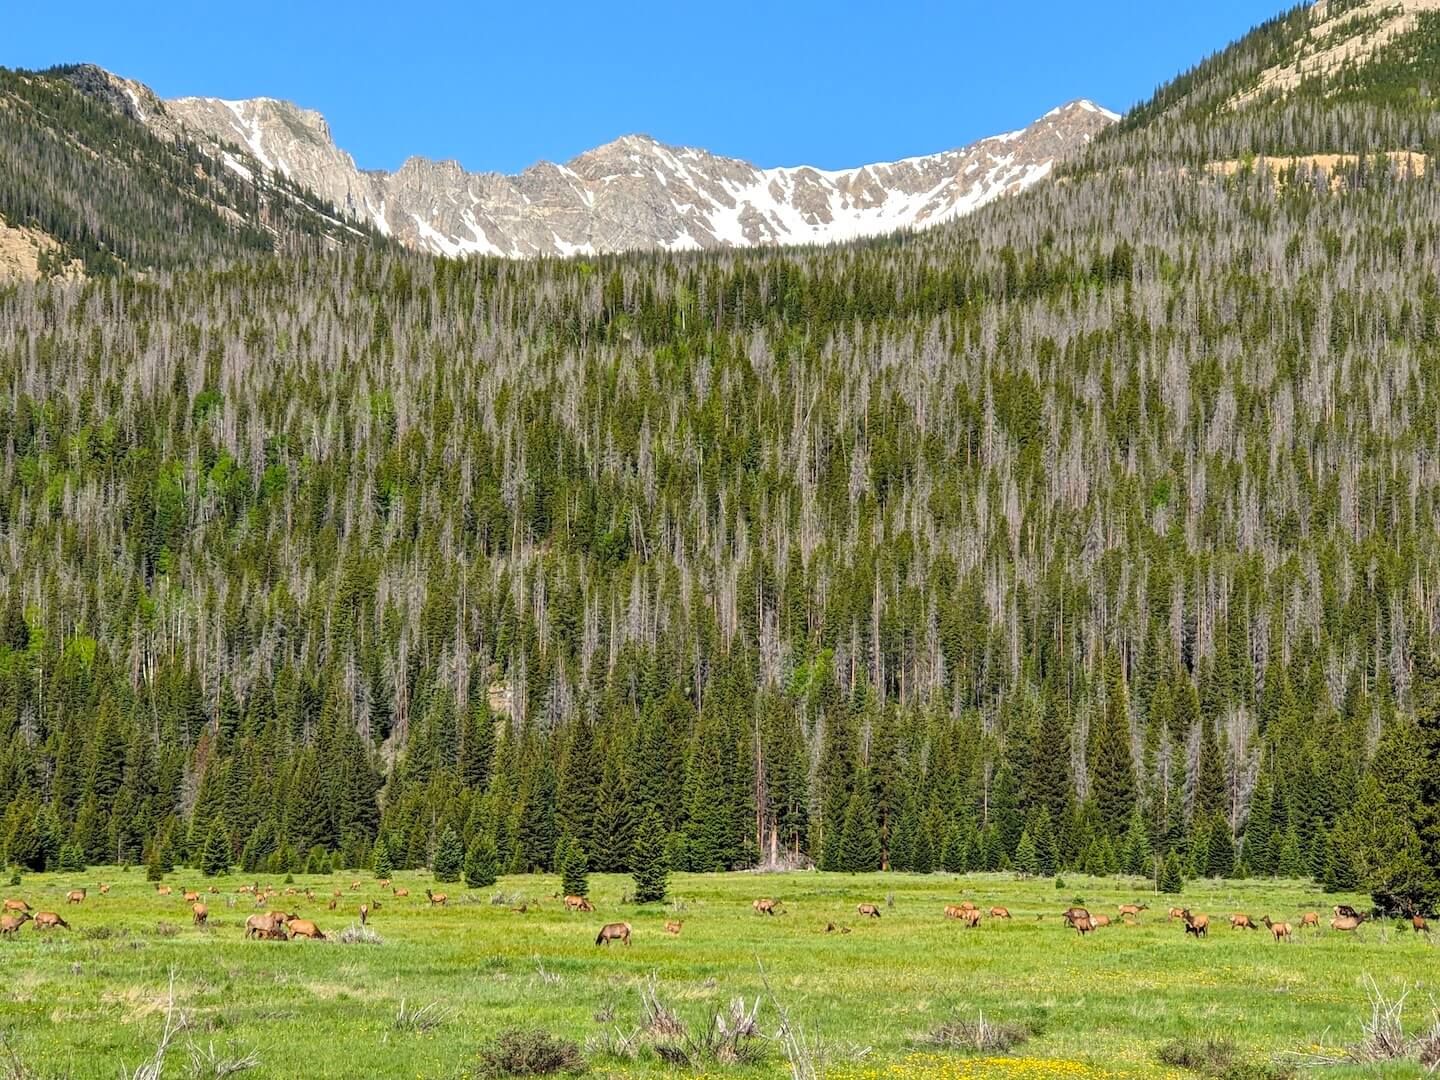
[[449, 856], [651, 871], [480, 863]]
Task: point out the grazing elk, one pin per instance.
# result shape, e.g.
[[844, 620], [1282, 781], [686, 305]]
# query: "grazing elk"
[[265, 926], [355, 886], [435, 898], [1346, 923], [49, 920], [75, 896], [303, 928], [999, 912], [104, 888], [1281, 930], [766, 906], [1240, 921], [163, 890], [1098, 921], [954, 911], [970, 918], [9, 924], [1133, 909], [872, 910], [615, 931], [1310, 918], [831, 928], [398, 892], [199, 913], [1176, 913], [672, 926], [16, 905], [1083, 925], [191, 896], [384, 883], [1199, 925], [1070, 914], [578, 903]]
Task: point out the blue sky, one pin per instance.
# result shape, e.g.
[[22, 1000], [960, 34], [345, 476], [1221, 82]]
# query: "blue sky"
[[777, 82]]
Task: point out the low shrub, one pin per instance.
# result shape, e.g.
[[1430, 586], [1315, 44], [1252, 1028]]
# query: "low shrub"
[[528, 1052]]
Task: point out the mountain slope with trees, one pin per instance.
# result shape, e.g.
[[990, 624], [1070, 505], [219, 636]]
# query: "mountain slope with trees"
[[1098, 530]]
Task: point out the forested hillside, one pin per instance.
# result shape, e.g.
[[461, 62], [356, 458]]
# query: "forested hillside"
[[76, 165], [1099, 530]]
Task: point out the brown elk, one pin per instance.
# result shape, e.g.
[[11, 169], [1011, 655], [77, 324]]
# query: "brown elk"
[[970, 918], [1344, 911], [303, 928], [16, 905], [400, 892], [1176, 913], [672, 926], [1240, 921], [1199, 925], [1419, 923], [435, 897], [364, 913], [578, 903], [1082, 924], [954, 911], [265, 926], [1346, 923], [384, 883], [1281, 930], [870, 910], [333, 902], [999, 913], [355, 886], [9, 924], [48, 920], [191, 896], [245, 889], [615, 931], [1070, 914], [199, 913], [1133, 909], [969, 905], [163, 890], [75, 896], [1310, 918], [214, 890], [104, 888], [766, 906], [1098, 921]]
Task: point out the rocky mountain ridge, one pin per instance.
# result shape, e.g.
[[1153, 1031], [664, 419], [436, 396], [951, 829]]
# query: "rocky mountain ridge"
[[631, 194]]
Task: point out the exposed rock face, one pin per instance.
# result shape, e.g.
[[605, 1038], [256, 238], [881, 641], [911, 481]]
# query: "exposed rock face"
[[635, 193]]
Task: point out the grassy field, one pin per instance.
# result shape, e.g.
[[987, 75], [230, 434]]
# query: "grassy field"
[[93, 1001]]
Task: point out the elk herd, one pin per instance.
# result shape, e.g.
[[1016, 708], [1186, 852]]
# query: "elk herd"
[[271, 923]]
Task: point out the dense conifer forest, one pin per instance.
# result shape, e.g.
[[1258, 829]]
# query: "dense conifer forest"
[[1098, 530]]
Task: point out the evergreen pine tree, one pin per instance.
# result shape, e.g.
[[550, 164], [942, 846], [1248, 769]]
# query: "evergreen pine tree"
[[574, 868], [481, 862], [449, 856], [215, 856], [1220, 850], [381, 859], [1112, 771], [1171, 879], [1027, 857], [651, 872], [860, 837]]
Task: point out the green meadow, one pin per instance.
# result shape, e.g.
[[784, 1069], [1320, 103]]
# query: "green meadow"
[[96, 1001]]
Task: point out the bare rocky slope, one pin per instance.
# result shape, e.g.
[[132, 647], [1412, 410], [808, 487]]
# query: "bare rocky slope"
[[633, 193]]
